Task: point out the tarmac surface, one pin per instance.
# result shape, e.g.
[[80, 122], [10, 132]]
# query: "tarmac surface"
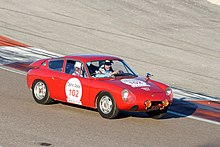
[[178, 41], [25, 123]]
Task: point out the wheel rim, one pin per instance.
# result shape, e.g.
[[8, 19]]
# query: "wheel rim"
[[106, 104], [40, 90]]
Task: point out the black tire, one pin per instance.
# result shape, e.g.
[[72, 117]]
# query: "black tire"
[[157, 114], [112, 110], [41, 97]]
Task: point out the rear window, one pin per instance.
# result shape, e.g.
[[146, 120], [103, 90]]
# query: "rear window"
[[56, 65]]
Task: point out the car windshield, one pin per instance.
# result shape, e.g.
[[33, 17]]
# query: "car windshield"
[[109, 68]]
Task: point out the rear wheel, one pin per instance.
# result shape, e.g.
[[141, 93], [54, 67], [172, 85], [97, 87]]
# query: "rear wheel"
[[106, 106], [157, 113], [40, 92]]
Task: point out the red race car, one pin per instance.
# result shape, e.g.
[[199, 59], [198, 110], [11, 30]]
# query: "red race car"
[[97, 81]]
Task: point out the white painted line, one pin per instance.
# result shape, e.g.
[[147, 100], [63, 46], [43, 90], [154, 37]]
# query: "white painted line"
[[14, 71], [24, 54], [186, 96], [194, 117], [217, 2]]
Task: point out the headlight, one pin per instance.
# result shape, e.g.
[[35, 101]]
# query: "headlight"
[[128, 96], [125, 94], [168, 91]]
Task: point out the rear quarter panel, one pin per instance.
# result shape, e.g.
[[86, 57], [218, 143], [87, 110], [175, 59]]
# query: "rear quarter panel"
[[46, 76]]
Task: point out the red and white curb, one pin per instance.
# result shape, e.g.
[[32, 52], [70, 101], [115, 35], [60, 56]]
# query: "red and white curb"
[[15, 57]]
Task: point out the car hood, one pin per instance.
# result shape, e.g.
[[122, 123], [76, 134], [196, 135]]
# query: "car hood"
[[142, 89], [136, 85]]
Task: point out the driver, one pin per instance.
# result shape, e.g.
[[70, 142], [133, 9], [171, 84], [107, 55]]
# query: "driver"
[[106, 70]]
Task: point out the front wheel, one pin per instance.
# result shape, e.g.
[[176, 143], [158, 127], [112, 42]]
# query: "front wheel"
[[106, 106], [157, 114], [40, 92]]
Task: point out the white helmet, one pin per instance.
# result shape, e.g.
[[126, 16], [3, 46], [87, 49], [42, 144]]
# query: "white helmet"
[[78, 64]]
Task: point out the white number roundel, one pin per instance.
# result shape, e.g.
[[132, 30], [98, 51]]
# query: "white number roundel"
[[73, 90]]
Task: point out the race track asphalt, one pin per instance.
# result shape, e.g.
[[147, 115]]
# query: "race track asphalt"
[[26, 123], [176, 40]]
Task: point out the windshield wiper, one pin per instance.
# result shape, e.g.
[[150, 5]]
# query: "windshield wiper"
[[125, 74]]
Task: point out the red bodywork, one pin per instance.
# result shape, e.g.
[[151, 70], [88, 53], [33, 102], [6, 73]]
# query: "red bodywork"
[[92, 87]]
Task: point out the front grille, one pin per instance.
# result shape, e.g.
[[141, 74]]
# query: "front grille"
[[155, 103]]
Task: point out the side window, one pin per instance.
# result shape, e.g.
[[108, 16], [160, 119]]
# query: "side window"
[[75, 68], [70, 66], [56, 65]]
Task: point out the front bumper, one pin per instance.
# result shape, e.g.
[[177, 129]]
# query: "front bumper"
[[141, 106]]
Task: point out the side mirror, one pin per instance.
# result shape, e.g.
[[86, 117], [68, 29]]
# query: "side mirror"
[[148, 75]]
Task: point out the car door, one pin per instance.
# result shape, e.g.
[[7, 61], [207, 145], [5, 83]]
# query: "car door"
[[74, 88]]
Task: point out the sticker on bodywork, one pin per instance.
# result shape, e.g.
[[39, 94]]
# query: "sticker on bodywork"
[[73, 90], [134, 83]]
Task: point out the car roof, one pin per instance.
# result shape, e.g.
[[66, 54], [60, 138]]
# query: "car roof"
[[91, 57]]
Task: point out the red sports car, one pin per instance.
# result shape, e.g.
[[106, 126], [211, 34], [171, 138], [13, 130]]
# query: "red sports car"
[[97, 81]]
